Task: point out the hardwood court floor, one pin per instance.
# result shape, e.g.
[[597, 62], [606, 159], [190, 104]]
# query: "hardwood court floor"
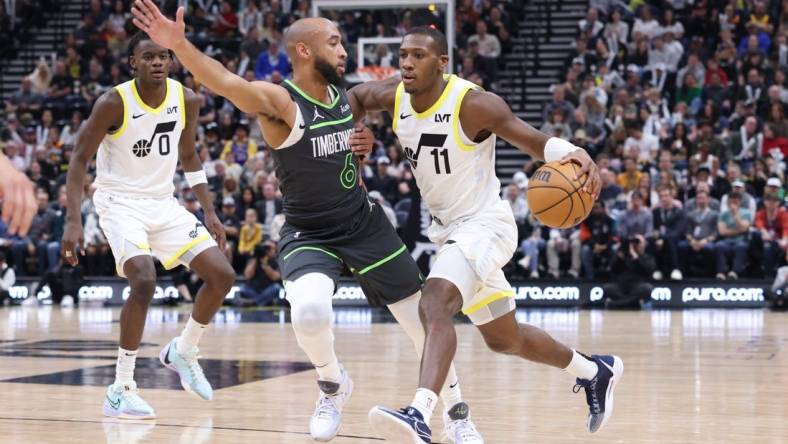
[[711, 376]]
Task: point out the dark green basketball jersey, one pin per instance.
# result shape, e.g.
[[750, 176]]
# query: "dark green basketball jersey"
[[318, 174]]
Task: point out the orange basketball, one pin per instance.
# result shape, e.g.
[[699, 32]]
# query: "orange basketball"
[[555, 198]]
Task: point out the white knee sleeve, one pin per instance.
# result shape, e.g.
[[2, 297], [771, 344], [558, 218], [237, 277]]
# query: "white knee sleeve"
[[406, 312], [312, 315]]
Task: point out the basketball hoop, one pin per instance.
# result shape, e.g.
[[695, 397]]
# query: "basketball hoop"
[[372, 72]]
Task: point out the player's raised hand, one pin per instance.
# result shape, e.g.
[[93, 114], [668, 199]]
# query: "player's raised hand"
[[161, 30], [19, 202], [216, 228], [362, 140], [587, 166]]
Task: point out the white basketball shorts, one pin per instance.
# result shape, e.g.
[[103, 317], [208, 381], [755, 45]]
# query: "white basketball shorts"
[[472, 251], [146, 226]]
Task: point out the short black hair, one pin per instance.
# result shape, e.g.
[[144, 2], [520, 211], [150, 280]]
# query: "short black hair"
[[434, 33], [138, 38]]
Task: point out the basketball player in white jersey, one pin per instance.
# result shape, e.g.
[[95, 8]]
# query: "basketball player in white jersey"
[[301, 120], [140, 130], [447, 127]]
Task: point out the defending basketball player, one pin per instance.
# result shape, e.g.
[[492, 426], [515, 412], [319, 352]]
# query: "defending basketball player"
[[330, 221], [447, 127], [140, 129]]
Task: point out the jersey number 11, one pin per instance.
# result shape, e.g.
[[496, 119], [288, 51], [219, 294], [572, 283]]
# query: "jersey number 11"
[[436, 142]]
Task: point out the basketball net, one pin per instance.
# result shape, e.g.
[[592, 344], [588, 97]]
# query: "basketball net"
[[374, 72]]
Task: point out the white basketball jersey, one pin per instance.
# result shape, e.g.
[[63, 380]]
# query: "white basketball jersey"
[[139, 159], [456, 176]]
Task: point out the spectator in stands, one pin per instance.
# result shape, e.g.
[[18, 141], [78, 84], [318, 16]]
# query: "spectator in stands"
[[25, 100], [241, 146], [637, 220], [631, 268], [733, 226], [39, 240], [699, 243], [642, 146], [250, 236], [591, 24], [382, 181], [747, 201], [669, 228], [556, 126], [262, 275], [559, 243], [596, 234], [772, 223], [272, 61], [7, 279], [558, 102], [232, 227], [269, 206], [489, 47], [645, 25]]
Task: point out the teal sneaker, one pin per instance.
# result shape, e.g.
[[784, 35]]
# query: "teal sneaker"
[[186, 365], [124, 402]]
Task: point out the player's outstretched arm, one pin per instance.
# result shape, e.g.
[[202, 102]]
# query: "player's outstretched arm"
[[192, 167], [485, 111], [250, 97], [376, 95], [107, 114]]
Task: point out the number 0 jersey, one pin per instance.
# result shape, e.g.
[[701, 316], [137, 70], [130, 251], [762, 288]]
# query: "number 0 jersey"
[[456, 176], [139, 158]]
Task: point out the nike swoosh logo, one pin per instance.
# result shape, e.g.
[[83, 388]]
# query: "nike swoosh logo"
[[167, 356], [301, 126], [403, 116], [114, 405], [455, 384], [608, 366], [137, 116]]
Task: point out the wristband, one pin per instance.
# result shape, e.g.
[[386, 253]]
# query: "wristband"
[[194, 178], [556, 149]]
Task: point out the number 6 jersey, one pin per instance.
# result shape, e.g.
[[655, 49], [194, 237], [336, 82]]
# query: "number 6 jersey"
[[456, 176], [139, 158]]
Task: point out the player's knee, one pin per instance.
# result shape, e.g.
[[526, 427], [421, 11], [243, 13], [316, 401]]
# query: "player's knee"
[[500, 344], [222, 278], [310, 302], [440, 301], [142, 287]]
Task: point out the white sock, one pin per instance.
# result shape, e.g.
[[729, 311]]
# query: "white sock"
[[451, 394], [581, 367], [424, 402], [191, 335], [330, 372], [124, 368]]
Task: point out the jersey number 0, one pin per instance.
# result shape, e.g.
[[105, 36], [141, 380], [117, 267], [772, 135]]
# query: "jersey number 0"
[[142, 147]]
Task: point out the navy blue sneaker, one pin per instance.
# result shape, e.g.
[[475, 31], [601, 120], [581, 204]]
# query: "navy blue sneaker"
[[599, 391], [403, 426]]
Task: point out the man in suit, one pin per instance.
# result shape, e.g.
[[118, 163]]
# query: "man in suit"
[[669, 226], [700, 234]]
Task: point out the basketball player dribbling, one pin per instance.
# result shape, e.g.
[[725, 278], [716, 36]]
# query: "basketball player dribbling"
[[447, 127], [140, 129], [330, 221]]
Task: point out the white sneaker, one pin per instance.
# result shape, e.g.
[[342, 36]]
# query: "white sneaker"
[[721, 276], [123, 401], [327, 418], [676, 275], [732, 275], [535, 274], [657, 275], [525, 262], [458, 427]]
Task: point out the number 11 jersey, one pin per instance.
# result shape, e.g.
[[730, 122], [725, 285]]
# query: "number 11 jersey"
[[456, 176], [138, 159]]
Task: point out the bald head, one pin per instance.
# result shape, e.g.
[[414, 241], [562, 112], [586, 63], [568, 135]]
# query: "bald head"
[[310, 32]]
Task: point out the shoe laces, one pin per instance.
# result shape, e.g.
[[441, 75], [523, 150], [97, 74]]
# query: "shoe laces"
[[132, 396], [591, 393], [464, 427], [327, 405], [191, 357]]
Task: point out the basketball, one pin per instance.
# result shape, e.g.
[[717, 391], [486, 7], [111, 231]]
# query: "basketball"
[[555, 198]]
